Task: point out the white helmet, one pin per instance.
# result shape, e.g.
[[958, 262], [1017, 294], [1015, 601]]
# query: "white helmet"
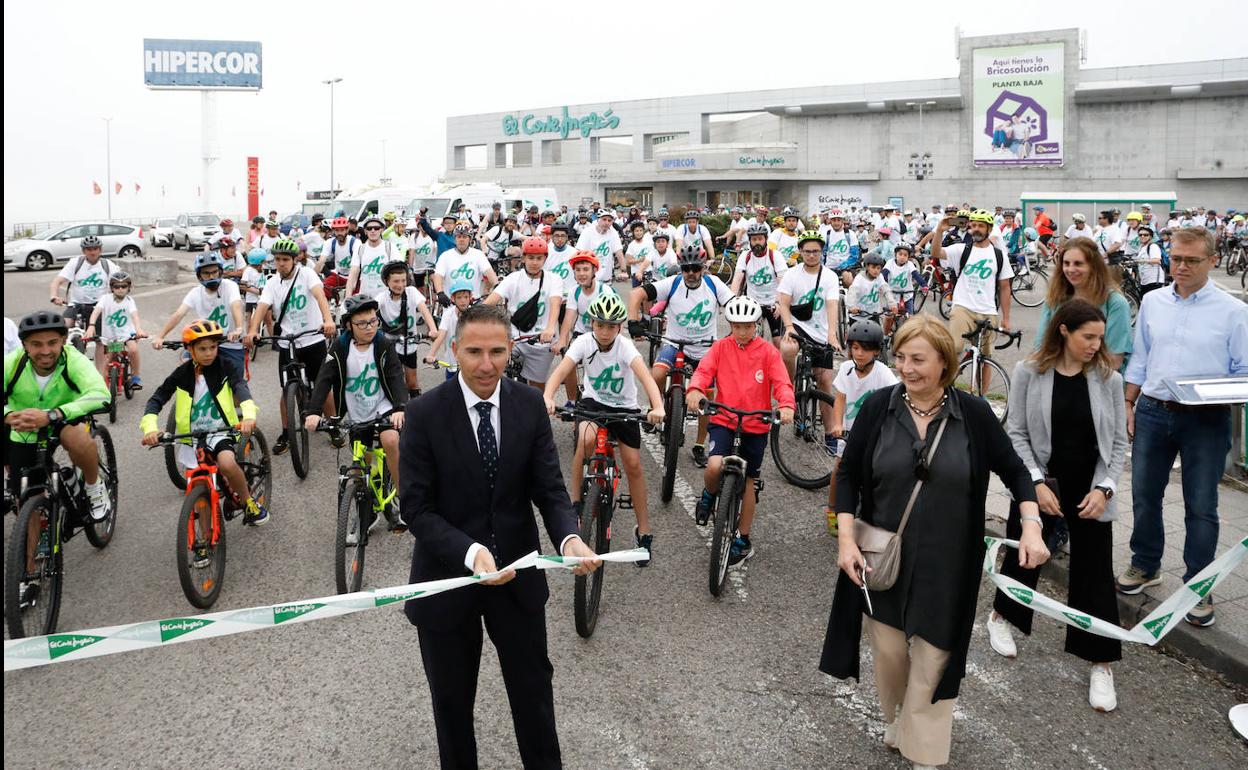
[[742, 309]]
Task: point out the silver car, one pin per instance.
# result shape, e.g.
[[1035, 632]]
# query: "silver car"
[[58, 245], [195, 231], [162, 233]]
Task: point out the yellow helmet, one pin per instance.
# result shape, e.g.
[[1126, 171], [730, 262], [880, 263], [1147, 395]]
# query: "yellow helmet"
[[809, 235], [1135, 216], [983, 215], [1237, 218], [964, 212]]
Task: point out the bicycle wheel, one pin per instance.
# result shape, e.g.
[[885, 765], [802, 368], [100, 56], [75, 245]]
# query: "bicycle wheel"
[[201, 583], [100, 533], [595, 528], [799, 450], [946, 303], [673, 438], [656, 327], [1232, 262], [996, 391], [256, 462], [177, 474], [920, 299], [113, 386], [296, 434], [721, 537], [32, 612], [351, 538], [1031, 288], [126, 385]]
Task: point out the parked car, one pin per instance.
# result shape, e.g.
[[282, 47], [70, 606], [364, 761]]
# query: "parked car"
[[195, 231], [301, 221], [58, 245], [162, 233]]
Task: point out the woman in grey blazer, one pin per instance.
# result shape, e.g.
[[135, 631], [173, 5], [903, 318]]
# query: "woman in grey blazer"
[[1071, 432]]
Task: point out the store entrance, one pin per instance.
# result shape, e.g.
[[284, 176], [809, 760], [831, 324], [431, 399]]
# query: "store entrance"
[[628, 197]]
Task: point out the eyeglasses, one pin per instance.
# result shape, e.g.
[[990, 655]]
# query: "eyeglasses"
[[372, 227], [812, 252], [1188, 261], [921, 471], [691, 268], [366, 324]]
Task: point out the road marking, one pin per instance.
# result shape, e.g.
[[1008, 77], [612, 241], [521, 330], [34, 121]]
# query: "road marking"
[[163, 290]]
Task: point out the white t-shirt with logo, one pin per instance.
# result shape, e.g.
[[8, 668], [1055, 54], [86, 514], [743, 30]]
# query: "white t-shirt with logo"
[[902, 279], [699, 236], [856, 389], [839, 245], [343, 254], [664, 264], [557, 264], [607, 378], [302, 312], [869, 295], [205, 412], [604, 246], [372, 260], [580, 300], [388, 308], [450, 324], [976, 287], [424, 251], [215, 306], [671, 234], [470, 265], [783, 244], [1075, 232], [116, 321], [253, 277], [642, 250], [90, 283], [1150, 274], [762, 276], [519, 287], [362, 390], [691, 313], [818, 288]]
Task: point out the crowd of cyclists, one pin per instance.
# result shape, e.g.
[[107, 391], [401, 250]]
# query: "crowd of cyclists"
[[355, 304]]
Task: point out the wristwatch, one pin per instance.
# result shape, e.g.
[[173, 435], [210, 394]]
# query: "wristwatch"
[[1109, 493], [54, 414]]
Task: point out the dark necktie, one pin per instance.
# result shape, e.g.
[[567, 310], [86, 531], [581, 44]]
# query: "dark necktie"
[[487, 441]]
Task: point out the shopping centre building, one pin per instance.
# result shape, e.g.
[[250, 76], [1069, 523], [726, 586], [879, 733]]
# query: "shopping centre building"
[[1022, 116]]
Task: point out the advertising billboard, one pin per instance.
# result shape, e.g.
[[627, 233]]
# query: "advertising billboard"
[[1018, 105], [826, 196], [202, 64]]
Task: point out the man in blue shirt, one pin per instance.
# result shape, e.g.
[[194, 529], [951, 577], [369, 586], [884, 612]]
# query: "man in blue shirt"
[[1191, 328]]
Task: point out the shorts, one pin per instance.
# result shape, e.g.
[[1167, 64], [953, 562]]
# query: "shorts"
[[409, 360], [824, 360], [333, 281], [418, 279], [774, 324], [667, 359], [236, 356], [311, 357], [626, 433], [215, 444], [537, 361], [77, 310], [753, 445], [962, 321]]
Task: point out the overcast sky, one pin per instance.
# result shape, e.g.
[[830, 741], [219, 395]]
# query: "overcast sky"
[[69, 64]]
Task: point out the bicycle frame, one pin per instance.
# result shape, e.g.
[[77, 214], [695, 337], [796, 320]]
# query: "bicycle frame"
[[360, 464], [204, 473]]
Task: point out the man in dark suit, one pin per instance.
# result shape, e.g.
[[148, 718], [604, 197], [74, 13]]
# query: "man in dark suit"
[[476, 455]]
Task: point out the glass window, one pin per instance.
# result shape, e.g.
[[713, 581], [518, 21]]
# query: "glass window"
[[203, 220], [165, 222], [115, 230], [436, 207], [81, 231]]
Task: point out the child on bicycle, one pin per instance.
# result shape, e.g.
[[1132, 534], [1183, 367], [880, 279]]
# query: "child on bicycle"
[[119, 321], [365, 374], [903, 277], [461, 290], [613, 368], [856, 379], [252, 285], [203, 390], [748, 374], [398, 305]]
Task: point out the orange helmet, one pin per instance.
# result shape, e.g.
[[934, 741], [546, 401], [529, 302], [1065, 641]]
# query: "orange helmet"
[[200, 329], [533, 245], [583, 256]]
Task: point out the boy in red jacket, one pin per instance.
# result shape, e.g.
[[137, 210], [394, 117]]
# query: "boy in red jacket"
[[748, 374]]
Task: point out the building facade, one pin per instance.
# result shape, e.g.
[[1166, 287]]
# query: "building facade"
[[1022, 115]]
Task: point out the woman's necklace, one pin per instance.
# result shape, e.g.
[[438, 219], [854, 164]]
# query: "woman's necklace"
[[905, 395]]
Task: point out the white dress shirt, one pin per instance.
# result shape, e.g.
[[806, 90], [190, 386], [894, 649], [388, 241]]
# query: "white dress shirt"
[[470, 402]]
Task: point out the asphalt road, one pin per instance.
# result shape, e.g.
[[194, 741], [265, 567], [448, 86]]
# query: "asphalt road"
[[673, 678]]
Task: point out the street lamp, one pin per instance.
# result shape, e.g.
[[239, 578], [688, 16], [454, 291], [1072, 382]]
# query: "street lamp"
[[331, 83], [108, 161]]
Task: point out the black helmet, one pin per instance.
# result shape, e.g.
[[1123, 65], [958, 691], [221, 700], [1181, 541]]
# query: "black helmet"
[[758, 228], [559, 227], [873, 259], [91, 242], [41, 321], [691, 255], [358, 303], [865, 333], [788, 211], [397, 266]]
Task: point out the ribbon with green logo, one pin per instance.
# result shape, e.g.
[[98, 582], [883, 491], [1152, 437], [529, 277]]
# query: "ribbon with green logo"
[[96, 642], [1148, 631]]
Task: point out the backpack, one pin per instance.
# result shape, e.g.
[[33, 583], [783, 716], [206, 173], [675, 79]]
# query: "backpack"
[[333, 247], [108, 267], [966, 255]]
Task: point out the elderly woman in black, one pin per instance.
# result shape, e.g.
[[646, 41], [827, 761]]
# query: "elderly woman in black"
[[920, 628]]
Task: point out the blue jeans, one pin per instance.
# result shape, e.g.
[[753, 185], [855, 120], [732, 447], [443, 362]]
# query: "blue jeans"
[[1202, 439]]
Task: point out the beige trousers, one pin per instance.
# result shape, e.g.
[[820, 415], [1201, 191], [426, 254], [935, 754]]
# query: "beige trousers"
[[906, 675]]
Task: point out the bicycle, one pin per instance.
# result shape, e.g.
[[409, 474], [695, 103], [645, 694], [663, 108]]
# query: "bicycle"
[[1236, 257], [599, 501], [173, 468], [365, 492], [515, 365], [970, 377], [673, 435], [939, 281], [117, 374], [731, 493], [800, 450], [199, 543], [1030, 286], [52, 502], [1129, 285], [723, 265], [296, 390]]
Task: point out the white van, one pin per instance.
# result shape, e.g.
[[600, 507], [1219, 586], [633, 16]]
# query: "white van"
[[377, 200], [480, 198]]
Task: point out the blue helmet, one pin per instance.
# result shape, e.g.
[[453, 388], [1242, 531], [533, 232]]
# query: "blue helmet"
[[208, 259], [257, 256], [460, 284]]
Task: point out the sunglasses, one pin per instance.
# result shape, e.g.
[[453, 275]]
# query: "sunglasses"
[[691, 268], [372, 227]]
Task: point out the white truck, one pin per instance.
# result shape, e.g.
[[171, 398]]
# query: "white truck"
[[478, 198]]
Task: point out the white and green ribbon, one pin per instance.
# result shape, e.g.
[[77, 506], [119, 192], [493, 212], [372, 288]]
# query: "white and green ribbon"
[[1148, 631], [96, 642]]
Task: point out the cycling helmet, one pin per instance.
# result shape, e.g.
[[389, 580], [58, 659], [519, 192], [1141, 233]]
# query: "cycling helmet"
[[652, 218], [512, 217], [1031, 234], [208, 259], [885, 231], [742, 309], [865, 333], [663, 214], [285, 246], [358, 303], [758, 228], [1165, 231], [390, 268], [272, 223], [225, 242], [661, 234], [583, 256], [1237, 218], [257, 256], [606, 213], [463, 228], [982, 215], [91, 242], [692, 214], [903, 247], [119, 277], [544, 231], [809, 235], [388, 216], [201, 329], [1078, 218], [964, 213], [41, 321], [458, 285], [1135, 216], [559, 227], [371, 220], [635, 224], [339, 223], [257, 219], [533, 245], [873, 259], [836, 214], [608, 308], [533, 208], [691, 255], [549, 213], [1145, 229], [788, 211], [227, 224]]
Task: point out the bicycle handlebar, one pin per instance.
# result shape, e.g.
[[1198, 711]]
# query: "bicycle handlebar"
[[287, 337], [568, 414], [334, 423], [1010, 338], [674, 342], [714, 407], [164, 439]]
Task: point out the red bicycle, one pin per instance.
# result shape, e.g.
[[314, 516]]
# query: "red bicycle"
[[117, 373], [939, 281]]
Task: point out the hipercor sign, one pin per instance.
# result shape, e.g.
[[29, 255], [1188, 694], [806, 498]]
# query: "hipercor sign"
[[198, 64]]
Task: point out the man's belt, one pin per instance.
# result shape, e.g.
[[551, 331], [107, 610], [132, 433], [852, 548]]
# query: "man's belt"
[[1175, 406]]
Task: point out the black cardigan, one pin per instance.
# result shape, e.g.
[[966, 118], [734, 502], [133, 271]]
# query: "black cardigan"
[[333, 375], [990, 450]]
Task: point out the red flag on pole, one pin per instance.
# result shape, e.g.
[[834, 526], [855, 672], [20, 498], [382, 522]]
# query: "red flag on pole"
[[95, 186], [117, 187], [136, 188]]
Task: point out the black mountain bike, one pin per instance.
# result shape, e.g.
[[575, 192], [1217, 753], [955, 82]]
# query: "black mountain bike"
[[799, 450], [673, 435], [296, 389]]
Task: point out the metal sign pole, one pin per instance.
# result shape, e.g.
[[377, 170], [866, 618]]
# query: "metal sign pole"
[[208, 139]]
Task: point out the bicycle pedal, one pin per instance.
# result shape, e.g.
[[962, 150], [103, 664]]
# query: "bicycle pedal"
[[624, 502]]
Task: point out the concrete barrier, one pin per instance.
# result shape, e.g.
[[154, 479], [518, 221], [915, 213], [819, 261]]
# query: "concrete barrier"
[[149, 272]]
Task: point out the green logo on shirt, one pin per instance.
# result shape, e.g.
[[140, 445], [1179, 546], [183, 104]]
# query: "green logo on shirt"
[[873, 296], [218, 315], [816, 301], [298, 300], [840, 247], [117, 320], [761, 277], [606, 380], [425, 249], [375, 265], [980, 269], [366, 382], [698, 315], [93, 280], [464, 271], [561, 270], [901, 280], [205, 409], [602, 250], [851, 411]]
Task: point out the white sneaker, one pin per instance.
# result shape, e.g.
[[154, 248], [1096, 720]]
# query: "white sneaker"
[[1101, 695], [97, 494], [890, 735], [1001, 638]]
